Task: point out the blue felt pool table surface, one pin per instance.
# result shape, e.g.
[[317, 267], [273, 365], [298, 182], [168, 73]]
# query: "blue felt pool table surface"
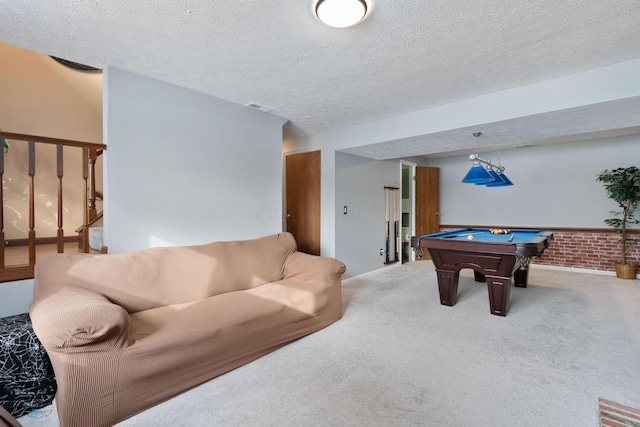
[[484, 235]]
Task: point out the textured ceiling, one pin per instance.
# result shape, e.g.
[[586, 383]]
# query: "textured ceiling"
[[615, 118], [406, 56]]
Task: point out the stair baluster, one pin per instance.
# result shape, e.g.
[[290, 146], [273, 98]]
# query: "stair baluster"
[[90, 152]]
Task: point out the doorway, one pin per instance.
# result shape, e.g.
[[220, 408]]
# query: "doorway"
[[407, 209], [302, 180]]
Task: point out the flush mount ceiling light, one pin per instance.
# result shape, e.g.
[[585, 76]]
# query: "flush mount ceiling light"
[[341, 13]]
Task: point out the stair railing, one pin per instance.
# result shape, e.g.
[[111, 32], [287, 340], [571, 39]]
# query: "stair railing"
[[89, 158], [90, 152]]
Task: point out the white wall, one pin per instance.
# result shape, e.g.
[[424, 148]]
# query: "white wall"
[[15, 297], [184, 168], [180, 168], [600, 85], [554, 185], [41, 97], [361, 233]]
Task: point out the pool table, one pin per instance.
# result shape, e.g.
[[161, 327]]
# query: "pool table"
[[494, 258]]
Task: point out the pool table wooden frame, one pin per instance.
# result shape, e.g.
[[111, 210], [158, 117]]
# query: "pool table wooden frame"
[[492, 261]]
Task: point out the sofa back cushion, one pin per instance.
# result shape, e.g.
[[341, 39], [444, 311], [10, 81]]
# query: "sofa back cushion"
[[156, 277]]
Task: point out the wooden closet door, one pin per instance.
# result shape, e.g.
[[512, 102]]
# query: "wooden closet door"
[[303, 200], [427, 203]]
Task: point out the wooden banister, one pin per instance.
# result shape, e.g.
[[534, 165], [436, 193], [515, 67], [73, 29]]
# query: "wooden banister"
[[47, 140], [2, 209], [32, 205], [59, 172], [93, 157], [90, 152], [84, 234]]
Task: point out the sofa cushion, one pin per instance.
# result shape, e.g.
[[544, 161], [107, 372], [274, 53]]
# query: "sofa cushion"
[[177, 347], [305, 297], [157, 277]]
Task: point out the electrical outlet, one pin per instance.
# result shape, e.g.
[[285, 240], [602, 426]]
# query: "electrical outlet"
[[381, 251], [344, 210]]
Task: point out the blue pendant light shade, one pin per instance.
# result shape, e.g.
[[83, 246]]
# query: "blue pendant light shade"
[[504, 181], [492, 176], [497, 180], [477, 175]]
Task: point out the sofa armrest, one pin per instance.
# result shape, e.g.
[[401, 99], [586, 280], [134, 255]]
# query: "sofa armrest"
[[78, 320], [302, 265]]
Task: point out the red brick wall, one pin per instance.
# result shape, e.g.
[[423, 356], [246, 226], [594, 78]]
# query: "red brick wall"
[[591, 250], [595, 249]]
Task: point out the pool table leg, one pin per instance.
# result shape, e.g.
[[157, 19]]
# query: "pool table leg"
[[520, 277], [498, 288], [448, 286]]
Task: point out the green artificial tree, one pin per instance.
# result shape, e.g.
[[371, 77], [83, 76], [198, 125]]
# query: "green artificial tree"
[[623, 186]]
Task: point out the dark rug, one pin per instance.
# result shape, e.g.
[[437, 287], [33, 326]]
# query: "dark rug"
[[27, 381]]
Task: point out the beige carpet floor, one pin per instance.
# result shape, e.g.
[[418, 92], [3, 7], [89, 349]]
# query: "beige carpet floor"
[[399, 358]]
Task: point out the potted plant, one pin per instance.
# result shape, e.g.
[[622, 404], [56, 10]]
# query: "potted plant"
[[623, 186], [5, 143]]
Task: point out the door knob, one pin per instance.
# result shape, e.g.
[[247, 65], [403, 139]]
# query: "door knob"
[[288, 216]]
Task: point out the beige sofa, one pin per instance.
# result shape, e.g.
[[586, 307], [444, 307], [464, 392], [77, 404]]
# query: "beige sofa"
[[127, 331]]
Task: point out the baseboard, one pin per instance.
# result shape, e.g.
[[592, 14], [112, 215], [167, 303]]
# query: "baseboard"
[[576, 270], [39, 241], [533, 266], [377, 270]]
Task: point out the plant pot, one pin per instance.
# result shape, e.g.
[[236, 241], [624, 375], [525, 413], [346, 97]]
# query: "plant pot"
[[626, 271]]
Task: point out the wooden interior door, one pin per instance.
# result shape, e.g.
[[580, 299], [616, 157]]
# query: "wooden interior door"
[[427, 203], [303, 200]]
